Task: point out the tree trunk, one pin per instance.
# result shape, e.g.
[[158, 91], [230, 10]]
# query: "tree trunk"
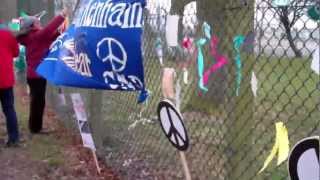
[[285, 22], [293, 46]]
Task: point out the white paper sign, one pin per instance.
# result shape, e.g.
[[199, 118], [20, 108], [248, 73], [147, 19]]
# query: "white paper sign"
[[62, 99], [254, 84], [172, 29], [78, 107], [315, 65], [82, 120]]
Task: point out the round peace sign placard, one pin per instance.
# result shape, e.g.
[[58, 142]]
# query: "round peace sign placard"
[[304, 163], [172, 125], [110, 45]]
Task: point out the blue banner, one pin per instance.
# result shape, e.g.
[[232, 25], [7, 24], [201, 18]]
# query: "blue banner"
[[101, 49]]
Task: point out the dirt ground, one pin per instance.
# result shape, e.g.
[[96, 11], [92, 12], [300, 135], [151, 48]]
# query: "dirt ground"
[[55, 155]]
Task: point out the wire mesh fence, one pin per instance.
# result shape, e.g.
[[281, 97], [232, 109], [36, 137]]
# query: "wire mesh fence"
[[231, 127]]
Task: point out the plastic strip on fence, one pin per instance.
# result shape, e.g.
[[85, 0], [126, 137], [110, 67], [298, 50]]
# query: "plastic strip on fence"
[[281, 146], [220, 59], [238, 41], [200, 43], [254, 84]]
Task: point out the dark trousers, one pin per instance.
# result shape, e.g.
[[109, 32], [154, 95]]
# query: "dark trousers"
[[7, 103], [37, 103]]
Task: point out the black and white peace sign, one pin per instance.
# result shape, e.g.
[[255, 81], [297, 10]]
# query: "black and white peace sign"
[[304, 162], [111, 50], [172, 125]]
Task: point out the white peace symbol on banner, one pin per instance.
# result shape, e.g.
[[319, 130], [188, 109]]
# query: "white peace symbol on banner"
[[118, 64], [172, 125]]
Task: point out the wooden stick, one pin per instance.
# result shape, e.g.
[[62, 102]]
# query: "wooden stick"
[[185, 165], [96, 161]]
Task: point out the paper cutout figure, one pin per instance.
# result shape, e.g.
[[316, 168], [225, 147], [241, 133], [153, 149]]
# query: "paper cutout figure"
[[220, 59], [254, 84], [168, 83], [315, 64], [281, 2], [201, 42], [238, 41], [280, 147], [159, 50], [304, 162], [172, 29]]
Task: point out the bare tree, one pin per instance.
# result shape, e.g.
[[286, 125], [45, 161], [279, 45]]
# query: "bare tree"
[[289, 15]]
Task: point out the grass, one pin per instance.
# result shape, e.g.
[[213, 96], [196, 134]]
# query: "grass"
[[46, 148], [42, 148]]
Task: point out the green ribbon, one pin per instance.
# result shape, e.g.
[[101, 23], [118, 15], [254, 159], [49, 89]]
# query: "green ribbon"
[[314, 12], [201, 42], [238, 41]]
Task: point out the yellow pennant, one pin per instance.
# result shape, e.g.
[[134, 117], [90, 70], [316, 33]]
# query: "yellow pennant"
[[281, 146]]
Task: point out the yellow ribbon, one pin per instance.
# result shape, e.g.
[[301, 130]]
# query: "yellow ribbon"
[[281, 146]]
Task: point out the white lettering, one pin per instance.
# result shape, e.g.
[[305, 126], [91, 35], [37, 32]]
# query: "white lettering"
[[126, 82], [136, 15], [98, 18], [104, 14], [136, 81], [82, 61], [118, 11], [85, 13]]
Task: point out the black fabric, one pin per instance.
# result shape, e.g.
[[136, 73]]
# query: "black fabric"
[[37, 103]]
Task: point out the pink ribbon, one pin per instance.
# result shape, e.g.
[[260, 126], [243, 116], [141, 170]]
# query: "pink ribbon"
[[187, 43], [221, 60]]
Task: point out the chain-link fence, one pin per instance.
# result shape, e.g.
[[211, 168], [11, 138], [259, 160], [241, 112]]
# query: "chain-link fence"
[[231, 128]]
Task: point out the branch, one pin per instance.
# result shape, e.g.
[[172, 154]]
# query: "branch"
[[297, 11]]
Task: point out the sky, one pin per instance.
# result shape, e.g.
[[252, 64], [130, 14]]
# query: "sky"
[[191, 9]]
